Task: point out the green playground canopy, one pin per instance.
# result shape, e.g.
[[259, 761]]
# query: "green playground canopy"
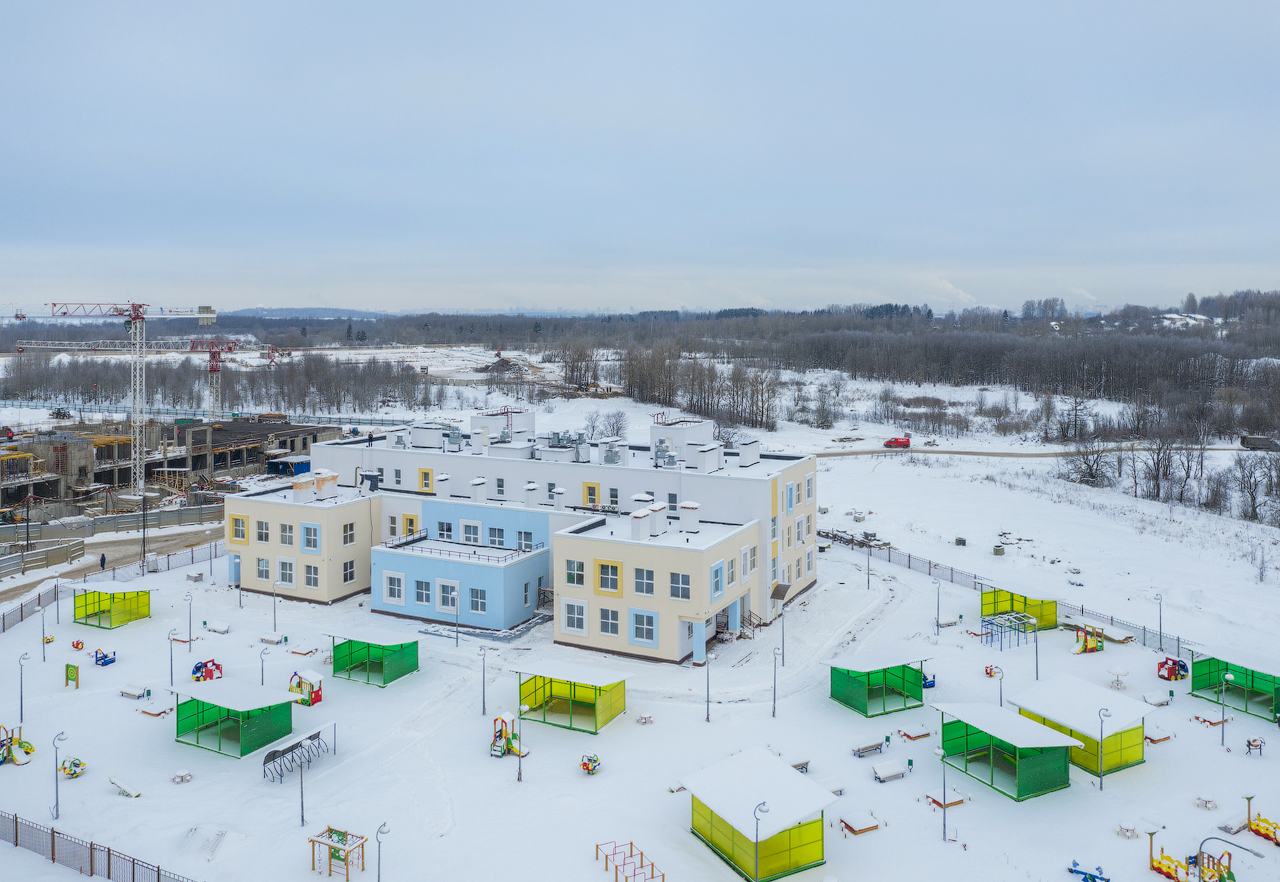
[[111, 609], [571, 696], [378, 661], [1254, 689], [786, 839], [996, 601], [1071, 706], [875, 683], [231, 718], [1008, 752]]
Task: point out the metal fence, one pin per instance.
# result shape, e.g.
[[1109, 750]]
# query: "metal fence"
[[86, 858], [331, 419], [192, 514], [27, 608], [160, 563], [1151, 638], [40, 558]]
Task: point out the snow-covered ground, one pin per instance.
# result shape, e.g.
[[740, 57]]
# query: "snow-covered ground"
[[416, 754]]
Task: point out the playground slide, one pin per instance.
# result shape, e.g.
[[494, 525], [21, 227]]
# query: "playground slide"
[[19, 757]]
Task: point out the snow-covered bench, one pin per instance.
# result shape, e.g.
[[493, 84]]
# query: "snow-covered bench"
[[135, 692], [888, 770], [870, 747], [217, 627]]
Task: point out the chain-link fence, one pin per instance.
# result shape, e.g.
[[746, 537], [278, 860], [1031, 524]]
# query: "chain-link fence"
[[160, 563], [86, 858], [190, 514]]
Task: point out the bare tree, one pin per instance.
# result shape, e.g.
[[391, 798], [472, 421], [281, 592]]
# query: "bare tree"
[[1088, 463], [1247, 474], [614, 424], [591, 424]]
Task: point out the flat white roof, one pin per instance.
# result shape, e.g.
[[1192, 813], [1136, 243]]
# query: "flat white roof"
[[1006, 725], [575, 673], [440, 549], [732, 788], [235, 695], [1075, 704], [878, 659], [284, 495], [1241, 659], [315, 678], [618, 529]]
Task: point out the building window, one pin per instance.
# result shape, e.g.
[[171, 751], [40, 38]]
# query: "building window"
[[410, 524], [592, 494], [613, 497], [471, 532], [264, 531], [574, 620], [424, 480], [348, 534], [753, 557], [539, 582], [478, 600], [497, 537], [286, 572], [644, 582], [717, 581], [609, 622], [264, 569], [444, 530], [313, 576], [394, 588], [391, 525], [791, 497], [773, 569], [800, 531], [421, 592], [502, 487], [644, 627], [348, 572], [729, 568], [808, 561], [311, 537], [608, 577], [773, 528], [808, 525], [524, 540], [788, 537], [672, 505], [397, 477], [808, 488], [551, 491], [526, 593], [381, 477], [447, 596], [680, 586], [237, 529], [575, 572]]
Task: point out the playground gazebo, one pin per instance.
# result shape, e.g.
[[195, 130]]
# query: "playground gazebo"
[[571, 696], [790, 833], [1071, 706], [1255, 689], [232, 718], [996, 601], [372, 658], [875, 683], [1004, 750], [110, 609]]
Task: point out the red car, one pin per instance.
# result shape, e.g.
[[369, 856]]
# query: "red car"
[[898, 442]]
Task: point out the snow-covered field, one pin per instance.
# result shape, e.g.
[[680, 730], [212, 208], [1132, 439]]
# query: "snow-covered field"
[[415, 755]]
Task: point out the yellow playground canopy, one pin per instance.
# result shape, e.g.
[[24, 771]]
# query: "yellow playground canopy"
[[110, 609], [725, 798], [1071, 706], [571, 696]]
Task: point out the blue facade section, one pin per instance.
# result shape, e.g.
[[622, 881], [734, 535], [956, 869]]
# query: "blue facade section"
[[512, 521], [503, 587]]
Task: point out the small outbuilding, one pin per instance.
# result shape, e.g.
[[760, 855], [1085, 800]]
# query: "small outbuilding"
[[1005, 750], [1254, 688], [879, 682], [110, 609], [373, 659], [571, 696], [760, 815], [230, 717], [1073, 707]]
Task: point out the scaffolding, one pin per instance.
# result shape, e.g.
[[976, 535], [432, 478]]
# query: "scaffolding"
[[1015, 628]]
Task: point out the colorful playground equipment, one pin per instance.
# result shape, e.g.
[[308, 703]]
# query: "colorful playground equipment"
[[48, 638], [309, 684], [590, 763], [73, 767], [1089, 638], [1258, 824], [1208, 868], [77, 644], [505, 739], [990, 670], [104, 657], [13, 749], [341, 846], [1172, 669], [206, 670], [1094, 875]]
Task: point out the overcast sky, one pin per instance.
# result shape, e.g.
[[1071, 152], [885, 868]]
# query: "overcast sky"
[[637, 155]]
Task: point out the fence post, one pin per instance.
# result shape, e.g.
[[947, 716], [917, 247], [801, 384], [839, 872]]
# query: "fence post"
[[53, 845]]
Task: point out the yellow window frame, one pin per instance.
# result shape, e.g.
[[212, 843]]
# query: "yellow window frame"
[[426, 480], [586, 488], [408, 525], [596, 564], [243, 521]]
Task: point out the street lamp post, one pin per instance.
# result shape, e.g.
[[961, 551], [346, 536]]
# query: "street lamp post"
[[1102, 713], [942, 757], [274, 586], [210, 534], [761, 809], [999, 672], [382, 831], [190, 602], [44, 655], [1227, 679], [484, 651], [262, 665], [782, 615], [22, 660], [457, 615], [776, 651], [57, 804], [937, 622], [1200, 852], [524, 709], [707, 665], [1160, 600], [172, 634], [1037, 641]]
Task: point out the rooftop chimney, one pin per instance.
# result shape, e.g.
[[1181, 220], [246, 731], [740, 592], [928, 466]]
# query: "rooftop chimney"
[[558, 493], [529, 490], [689, 517], [477, 489], [657, 519], [640, 525]]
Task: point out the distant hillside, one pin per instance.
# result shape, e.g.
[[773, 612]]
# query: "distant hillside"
[[313, 312]]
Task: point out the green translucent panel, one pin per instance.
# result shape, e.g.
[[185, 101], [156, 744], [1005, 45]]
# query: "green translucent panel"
[[571, 705], [1252, 692], [373, 663], [229, 732], [996, 601], [872, 693], [1017, 772], [101, 609], [794, 849]]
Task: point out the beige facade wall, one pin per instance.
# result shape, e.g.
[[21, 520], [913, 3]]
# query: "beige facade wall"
[[342, 561], [674, 616]]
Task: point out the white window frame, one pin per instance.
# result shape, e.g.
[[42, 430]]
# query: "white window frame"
[[264, 531], [348, 572], [422, 596], [311, 572], [773, 569], [311, 536], [800, 530], [526, 593], [551, 491], [686, 586], [808, 562], [392, 525], [501, 486], [643, 581], [479, 598], [264, 569], [808, 488], [286, 534], [808, 525], [446, 588], [730, 571], [239, 528], [745, 558], [387, 595], [524, 540], [501, 536], [754, 558], [773, 528], [673, 502], [444, 530], [578, 576], [464, 525], [280, 571], [349, 534], [614, 620], [397, 477], [565, 602]]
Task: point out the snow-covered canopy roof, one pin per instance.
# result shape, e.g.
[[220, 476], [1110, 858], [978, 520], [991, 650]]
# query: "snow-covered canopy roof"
[[1007, 725], [1241, 659], [235, 695], [315, 678], [734, 787], [1075, 704], [574, 673], [372, 635], [879, 659]]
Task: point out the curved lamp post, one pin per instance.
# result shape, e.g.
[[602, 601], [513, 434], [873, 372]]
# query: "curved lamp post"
[[190, 602], [942, 757], [22, 663], [484, 652], [776, 652], [382, 831], [524, 709], [999, 672], [1160, 600], [937, 622], [61, 736], [173, 633], [1200, 851], [262, 665], [1102, 713], [761, 809], [1227, 679]]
